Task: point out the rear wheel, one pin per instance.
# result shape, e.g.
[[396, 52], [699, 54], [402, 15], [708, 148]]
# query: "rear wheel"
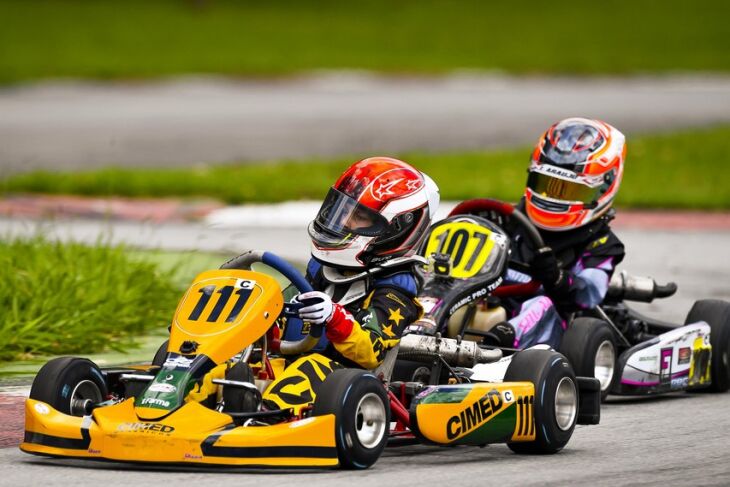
[[589, 345], [237, 399], [362, 415], [70, 385], [715, 313], [556, 399]]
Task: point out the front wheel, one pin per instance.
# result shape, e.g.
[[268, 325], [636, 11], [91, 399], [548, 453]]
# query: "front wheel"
[[362, 415], [715, 313], [556, 399], [70, 385], [590, 347]]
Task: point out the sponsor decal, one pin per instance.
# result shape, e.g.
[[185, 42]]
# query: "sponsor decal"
[[385, 189], [684, 355], [474, 415], [145, 428], [552, 170], [479, 293], [178, 362], [41, 408], [155, 402], [679, 383], [395, 298], [297, 424], [158, 387]]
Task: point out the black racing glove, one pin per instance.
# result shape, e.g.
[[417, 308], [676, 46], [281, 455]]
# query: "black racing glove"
[[555, 281], [544, 267]]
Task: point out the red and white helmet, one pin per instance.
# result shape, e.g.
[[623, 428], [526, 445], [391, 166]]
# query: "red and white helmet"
[[575, 172], [379, 209]]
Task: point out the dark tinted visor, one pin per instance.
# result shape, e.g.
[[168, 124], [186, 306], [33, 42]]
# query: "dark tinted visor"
[[341, 215], [562, 189]]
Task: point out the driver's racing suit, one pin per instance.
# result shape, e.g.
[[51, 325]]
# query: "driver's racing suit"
[[587, 255], [359, 333]]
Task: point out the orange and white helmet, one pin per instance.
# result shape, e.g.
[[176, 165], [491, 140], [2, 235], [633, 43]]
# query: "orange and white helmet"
[[379, 209], [575, 172]]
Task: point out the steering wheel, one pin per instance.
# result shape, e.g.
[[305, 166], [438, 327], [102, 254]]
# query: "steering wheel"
[[244, 262], [488, 208]]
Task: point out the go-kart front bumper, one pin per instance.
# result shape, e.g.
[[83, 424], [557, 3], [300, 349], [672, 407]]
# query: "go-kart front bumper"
[[192, 434]]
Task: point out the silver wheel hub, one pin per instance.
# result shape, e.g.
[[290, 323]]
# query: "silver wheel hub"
[[85, 393], [370, 420], [604, 364], [566, 403]]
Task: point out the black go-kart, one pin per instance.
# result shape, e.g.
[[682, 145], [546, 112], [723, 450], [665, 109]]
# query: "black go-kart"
[[629, 353]]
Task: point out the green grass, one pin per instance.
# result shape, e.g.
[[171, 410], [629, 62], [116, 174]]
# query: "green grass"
[[679, 170], [70, 298], [147, 38]]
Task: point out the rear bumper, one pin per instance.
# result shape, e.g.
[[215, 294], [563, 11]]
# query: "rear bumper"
[[193, 434]]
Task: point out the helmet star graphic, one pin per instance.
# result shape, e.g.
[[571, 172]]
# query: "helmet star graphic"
[[386, 189], [413, 184]]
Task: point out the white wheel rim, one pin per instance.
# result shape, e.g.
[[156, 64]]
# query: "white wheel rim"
[[370, 420], [566, 403], [604, 364]]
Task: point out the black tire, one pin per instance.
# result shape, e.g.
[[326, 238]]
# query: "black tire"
[[161, 354], [581, 343], [65, 383], [547, 370], [235, 399], [135, 388], [717, 314], [347, 393]]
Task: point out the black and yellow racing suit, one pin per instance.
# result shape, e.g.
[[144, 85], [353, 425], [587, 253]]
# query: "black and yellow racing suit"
[[359, 333]]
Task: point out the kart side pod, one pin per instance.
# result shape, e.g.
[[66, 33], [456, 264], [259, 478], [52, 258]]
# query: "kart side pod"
[[475, 414]]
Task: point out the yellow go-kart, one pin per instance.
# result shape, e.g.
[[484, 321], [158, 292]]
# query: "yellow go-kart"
[[206, 398]]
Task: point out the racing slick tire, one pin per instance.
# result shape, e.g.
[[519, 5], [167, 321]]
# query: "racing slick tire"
[[69, 385], [362, 415], [715, 313], [556, 399], [589, 344], [235, 399], [160, 354]]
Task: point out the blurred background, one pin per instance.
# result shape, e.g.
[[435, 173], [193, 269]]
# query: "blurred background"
[[143, 141]]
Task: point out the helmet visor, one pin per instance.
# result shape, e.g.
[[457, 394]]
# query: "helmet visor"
[[560, 189], [341, 218]]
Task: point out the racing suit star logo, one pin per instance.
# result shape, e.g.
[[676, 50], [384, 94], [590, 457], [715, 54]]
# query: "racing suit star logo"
[[386, 189], [395, 316]]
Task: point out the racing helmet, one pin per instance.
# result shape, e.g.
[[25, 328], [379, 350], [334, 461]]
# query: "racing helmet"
[[574, 175], [379, 209]]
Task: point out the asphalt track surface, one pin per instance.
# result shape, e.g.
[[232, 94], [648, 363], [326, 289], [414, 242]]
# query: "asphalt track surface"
[[65, 126]]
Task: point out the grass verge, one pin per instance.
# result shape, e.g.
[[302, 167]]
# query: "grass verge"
[[679, 170], [147, 38], [69, 298]]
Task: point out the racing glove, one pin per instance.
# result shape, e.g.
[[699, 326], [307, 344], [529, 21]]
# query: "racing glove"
[[545, 268], [318, 307]]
